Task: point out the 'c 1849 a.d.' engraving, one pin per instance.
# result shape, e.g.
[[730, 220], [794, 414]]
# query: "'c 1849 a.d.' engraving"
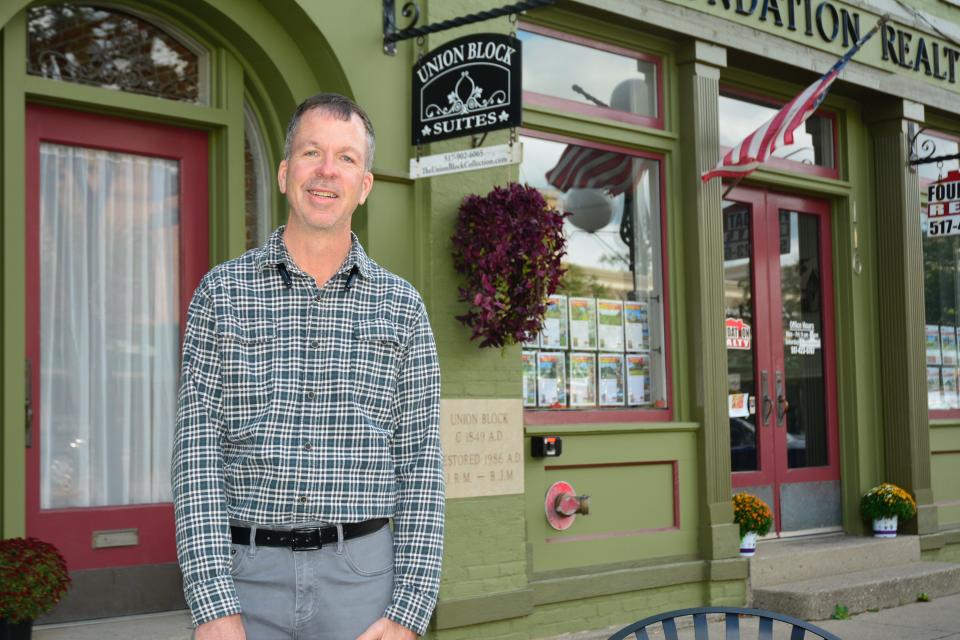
[[467, 86]]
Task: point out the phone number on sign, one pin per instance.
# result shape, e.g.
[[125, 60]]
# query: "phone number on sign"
[[949, 226]]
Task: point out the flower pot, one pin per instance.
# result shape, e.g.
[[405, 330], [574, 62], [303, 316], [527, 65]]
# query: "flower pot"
[[748, 544], [885, 527], [15, 631]]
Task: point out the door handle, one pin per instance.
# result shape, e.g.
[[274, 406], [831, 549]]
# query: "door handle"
[[767, 402], [28, 405], [782, 405]]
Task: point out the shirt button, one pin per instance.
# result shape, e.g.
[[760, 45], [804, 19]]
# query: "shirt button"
[[311, 395], [308, 447], [302, 499], [317, 297], [315, 344]]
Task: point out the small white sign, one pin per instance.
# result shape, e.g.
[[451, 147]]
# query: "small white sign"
[[466, 160]]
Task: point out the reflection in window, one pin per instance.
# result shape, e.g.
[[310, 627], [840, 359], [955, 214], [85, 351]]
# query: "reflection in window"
[[941, 284], [110, 49], [740, 116], [602, 339], [258, 218], [588, 76]]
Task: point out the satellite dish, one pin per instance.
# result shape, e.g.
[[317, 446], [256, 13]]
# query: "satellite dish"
[[590, 209], [632, 96]]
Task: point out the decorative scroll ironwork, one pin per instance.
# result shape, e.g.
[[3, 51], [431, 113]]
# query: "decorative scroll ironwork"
[[411, 11], [107, 48], [928, 149]]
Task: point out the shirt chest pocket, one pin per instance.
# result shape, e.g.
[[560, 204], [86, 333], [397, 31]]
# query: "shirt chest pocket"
[[247, 361], [375, 360]]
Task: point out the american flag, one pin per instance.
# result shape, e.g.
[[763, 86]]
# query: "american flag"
[[586, 168], [757, 147]]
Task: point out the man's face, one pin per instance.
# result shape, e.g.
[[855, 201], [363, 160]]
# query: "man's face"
[[325, 177]]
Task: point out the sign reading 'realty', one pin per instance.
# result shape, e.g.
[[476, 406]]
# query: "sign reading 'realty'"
[[467, 86]]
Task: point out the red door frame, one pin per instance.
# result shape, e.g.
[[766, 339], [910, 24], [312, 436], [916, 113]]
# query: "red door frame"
[[768, 334], [72, 529]]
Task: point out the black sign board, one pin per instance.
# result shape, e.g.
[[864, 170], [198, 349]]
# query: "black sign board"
[[467, 86]]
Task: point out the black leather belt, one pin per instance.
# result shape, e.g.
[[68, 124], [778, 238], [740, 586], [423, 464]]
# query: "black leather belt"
[[306, 539]]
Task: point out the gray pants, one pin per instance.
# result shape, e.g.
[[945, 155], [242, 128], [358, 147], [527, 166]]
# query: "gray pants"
[[333, 593]]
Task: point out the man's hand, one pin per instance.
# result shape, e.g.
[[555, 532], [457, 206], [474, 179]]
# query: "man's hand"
[[227, 628], [386, 629]]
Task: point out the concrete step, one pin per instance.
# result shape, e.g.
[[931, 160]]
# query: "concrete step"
[[792, 559], [816, 598]]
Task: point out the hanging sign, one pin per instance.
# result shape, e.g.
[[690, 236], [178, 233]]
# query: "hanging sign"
[[802, 338], [943, 207], [466, 160], [468, 86]]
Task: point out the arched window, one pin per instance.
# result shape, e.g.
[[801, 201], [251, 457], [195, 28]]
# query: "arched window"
[[257, 181], [112, 49]]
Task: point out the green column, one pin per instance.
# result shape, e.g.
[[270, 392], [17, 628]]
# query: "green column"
[[906, 435], [701, 225]]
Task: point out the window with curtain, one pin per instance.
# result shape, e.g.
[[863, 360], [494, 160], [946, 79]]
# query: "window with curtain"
[[941, 277], [109, 225], [258, 183]]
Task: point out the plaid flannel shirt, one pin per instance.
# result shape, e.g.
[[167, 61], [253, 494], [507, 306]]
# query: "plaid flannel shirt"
[[307, 404]]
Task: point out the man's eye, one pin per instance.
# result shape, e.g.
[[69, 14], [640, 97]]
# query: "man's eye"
[[347, 159], [310, 153]]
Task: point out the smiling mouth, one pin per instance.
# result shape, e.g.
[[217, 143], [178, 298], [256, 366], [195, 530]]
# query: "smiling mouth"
[[321, 193]]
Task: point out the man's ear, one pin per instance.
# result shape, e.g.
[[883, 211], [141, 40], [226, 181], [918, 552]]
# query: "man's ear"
[[282, 176], [366, 187]]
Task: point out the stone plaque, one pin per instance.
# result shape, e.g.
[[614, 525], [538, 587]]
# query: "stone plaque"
[[482, 447]]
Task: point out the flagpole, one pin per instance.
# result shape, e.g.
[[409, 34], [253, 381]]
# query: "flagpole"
[[731, 187]]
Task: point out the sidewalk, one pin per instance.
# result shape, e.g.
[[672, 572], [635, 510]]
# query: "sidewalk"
[[935, 620]]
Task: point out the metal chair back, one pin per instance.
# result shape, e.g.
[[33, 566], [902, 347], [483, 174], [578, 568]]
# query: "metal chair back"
[[799, 629]]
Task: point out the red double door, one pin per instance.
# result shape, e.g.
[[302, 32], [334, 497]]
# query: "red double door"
[[781, 368], [116, 242]]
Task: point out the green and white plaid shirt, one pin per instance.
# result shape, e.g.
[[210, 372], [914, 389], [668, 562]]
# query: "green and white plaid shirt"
[[307, 404]]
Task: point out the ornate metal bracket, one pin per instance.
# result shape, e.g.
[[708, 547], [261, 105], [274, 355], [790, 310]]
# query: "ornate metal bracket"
[[928, 149], [411, 11]]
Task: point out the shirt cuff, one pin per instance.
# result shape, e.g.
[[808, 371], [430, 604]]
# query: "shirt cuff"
[[212, 599], [411, 609]]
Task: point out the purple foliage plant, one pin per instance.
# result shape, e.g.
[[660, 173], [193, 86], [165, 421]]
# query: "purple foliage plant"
[[507, 245]]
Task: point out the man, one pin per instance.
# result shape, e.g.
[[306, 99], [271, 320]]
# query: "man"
[[308, 416]]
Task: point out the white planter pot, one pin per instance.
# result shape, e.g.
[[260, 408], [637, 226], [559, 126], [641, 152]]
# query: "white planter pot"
[[748, 544], [885, 527]]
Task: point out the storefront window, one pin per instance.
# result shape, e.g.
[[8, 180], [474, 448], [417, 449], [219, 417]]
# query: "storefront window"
[[602, 342], [813, 144], [567, 72], [110, 49], [941, 276]]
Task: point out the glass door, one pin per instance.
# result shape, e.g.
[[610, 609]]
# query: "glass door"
[[779, 322], [116, 244]]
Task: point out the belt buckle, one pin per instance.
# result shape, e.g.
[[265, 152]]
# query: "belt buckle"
[[299, 534]]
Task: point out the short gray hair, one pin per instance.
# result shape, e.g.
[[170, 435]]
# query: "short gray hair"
[[337, 105]]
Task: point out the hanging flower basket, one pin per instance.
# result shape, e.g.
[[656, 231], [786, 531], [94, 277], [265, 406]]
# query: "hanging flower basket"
[[507, 245]]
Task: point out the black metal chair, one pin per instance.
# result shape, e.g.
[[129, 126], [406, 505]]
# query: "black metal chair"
[[799, 629]]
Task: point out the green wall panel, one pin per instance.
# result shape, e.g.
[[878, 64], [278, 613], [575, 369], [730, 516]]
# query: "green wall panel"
[[945, 473], [630, 480]]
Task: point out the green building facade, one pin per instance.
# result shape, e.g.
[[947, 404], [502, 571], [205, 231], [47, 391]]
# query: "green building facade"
[[837, 301]]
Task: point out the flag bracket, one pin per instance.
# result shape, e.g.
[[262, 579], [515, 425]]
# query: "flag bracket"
[[411, 11], [928, 149]]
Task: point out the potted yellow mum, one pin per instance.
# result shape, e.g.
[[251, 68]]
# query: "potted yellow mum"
[[755, 519], [885, 504]]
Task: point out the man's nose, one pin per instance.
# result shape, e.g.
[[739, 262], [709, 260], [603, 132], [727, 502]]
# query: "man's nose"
[[327, 166]]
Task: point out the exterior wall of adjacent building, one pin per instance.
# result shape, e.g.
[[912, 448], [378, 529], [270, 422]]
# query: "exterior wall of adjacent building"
[[504, 576]]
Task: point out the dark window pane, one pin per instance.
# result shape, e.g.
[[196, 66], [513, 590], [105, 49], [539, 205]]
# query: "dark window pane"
[[110, 49]]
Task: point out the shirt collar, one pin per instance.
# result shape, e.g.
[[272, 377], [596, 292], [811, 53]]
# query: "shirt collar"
[[275, 252]]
